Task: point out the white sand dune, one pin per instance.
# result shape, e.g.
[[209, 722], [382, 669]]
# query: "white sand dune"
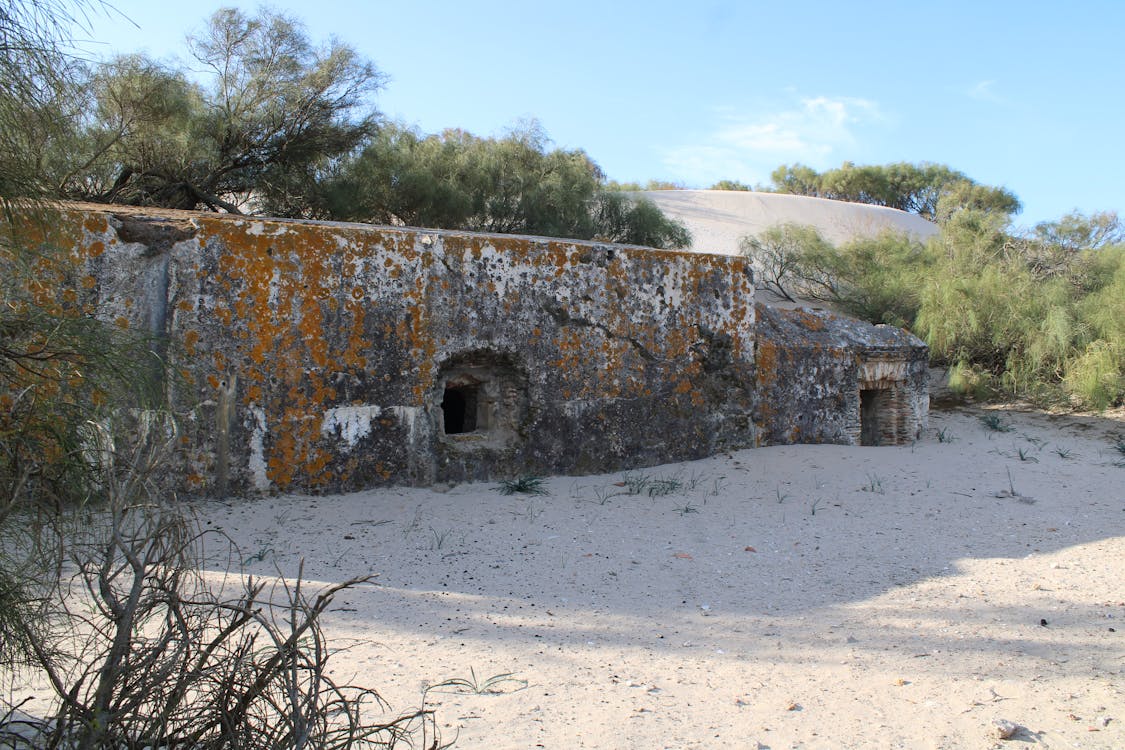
[[813, 596], [718, 219]]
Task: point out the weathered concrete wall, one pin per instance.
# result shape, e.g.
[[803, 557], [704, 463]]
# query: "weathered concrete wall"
[[823, 378], [327, 357]]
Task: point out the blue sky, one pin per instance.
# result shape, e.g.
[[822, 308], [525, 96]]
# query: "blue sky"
[[1029, 95]]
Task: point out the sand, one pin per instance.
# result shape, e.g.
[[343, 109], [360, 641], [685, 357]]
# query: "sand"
[[718, 219], [786, 597]]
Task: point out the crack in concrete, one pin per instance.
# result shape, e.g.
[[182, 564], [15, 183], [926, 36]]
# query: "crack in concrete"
[[564, 318]]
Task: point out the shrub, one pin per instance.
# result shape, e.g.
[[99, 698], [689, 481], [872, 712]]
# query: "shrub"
[[525, 485], [878, 278], [785, 258], [155, 656], [1008, 323], [1096, 378], [1007, 314]]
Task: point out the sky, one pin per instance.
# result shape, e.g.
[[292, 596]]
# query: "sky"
[[1027, 95]]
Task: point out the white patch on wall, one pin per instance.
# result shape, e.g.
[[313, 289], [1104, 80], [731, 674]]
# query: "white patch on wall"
[[259, 229], [257, 461], [673, 283], [878, 370], [275, 285], [407, 415], [502, 269], [352, 422]]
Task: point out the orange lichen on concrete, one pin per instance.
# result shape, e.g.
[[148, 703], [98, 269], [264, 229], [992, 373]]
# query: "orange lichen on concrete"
[[95, 223], [328, 341], [766, 360], [809, 319]]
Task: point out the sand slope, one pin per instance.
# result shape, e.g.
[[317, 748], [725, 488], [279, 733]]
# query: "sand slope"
[[718, 219], [798, 596]]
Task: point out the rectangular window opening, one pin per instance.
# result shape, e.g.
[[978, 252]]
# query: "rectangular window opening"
[[459, 408]]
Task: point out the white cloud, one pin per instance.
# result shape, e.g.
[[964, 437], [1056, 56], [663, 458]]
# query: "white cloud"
[[983, 91], [817, 131]]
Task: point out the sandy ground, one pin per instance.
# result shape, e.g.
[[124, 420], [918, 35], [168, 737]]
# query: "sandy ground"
[[784, 597], [718, 219]]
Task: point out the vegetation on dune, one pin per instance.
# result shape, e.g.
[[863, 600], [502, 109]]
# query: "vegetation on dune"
[[514, 184], [932, 191], [1039, 315], [650, 185], [731, 185]]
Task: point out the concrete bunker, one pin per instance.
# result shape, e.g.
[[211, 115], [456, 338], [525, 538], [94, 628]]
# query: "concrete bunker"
[[337, 357], [824, 378]]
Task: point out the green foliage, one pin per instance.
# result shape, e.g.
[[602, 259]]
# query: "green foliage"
[[995, 423], [637, 187], [616, 218], [785, 259], [873, 278], [877, 279], [965, 379], [933, 191], [145, 125], [1096, 376], [731, 185], [624, 187], [1047, 332], [268, 121], [38, 89], [525, 485], [1075, 231], [514, 184], [1026, 316], [664, 185], [796, 180]]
